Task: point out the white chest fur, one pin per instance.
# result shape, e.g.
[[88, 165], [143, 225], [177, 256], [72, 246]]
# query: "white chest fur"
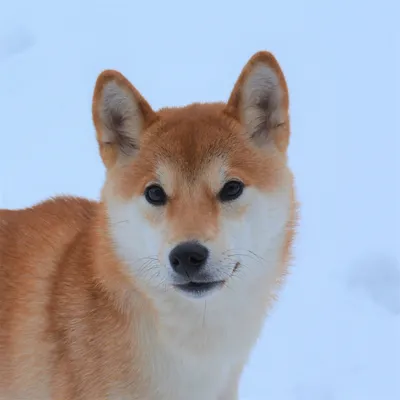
[[201, 346], [183, 376]]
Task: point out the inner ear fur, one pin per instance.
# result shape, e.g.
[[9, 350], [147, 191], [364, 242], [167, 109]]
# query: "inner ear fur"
[[120, 114], [260, 100]]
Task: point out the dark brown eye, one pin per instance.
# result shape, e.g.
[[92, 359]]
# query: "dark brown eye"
[[231, 191], [155, 195]]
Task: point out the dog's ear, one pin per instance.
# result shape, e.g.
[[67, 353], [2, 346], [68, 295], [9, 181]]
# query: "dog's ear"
[[120, 114], [260, 101]]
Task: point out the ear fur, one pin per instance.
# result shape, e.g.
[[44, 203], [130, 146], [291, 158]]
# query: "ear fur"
[[120, 114], [259, 99]]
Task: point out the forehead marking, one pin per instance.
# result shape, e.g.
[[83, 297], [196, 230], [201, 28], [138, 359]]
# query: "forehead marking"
[[175, 178]]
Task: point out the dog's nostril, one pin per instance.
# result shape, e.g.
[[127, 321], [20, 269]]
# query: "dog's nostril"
[[196, 259], [175, 261]]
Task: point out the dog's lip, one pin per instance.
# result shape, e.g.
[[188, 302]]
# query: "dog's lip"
[[202, 286], [193, 287]]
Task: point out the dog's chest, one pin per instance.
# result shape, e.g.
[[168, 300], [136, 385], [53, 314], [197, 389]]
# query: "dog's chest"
[[195, 367], [180, 375], [194, 356]]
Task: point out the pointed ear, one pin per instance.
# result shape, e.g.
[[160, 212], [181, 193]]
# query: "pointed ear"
[[120, 114], [260, 101]]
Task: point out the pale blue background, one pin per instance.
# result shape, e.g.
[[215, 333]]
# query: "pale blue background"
[[335, 333]]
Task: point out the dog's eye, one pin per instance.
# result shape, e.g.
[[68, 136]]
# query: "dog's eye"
[[231, 191], [155, 195]]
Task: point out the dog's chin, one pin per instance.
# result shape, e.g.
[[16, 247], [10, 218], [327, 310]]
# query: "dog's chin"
[[198, 290]]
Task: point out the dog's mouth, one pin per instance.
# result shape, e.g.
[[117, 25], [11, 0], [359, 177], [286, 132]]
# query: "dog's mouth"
[[199, 289]]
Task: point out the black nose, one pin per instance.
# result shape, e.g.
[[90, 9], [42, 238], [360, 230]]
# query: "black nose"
[[188, 258]]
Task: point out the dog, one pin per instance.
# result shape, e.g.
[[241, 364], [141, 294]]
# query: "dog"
[[158, 291]]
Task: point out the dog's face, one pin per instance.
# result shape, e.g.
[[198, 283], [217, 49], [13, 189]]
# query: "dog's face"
[[199, 196]]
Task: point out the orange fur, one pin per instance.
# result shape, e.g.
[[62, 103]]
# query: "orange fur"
[[75, 323]]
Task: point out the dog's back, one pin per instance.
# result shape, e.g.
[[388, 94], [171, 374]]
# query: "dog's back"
[[34, 249]]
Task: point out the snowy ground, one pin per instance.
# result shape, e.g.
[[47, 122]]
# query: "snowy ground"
[[335, 332]]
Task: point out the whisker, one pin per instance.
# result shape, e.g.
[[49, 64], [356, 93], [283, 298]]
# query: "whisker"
[[230, 253], [120, 222], [204, 313], [245, 251], [258, 256], [252, 256]]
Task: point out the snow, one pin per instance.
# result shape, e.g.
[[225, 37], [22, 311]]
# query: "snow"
[[334, 333]]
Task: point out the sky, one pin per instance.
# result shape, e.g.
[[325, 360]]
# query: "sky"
[[334, 333]]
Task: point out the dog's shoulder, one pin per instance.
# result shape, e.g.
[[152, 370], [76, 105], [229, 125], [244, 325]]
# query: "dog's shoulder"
[[39, 232]]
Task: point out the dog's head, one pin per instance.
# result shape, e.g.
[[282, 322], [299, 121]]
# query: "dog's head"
[[197, 195]]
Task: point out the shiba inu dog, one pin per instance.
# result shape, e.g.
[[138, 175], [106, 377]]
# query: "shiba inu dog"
[[159, 291]]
